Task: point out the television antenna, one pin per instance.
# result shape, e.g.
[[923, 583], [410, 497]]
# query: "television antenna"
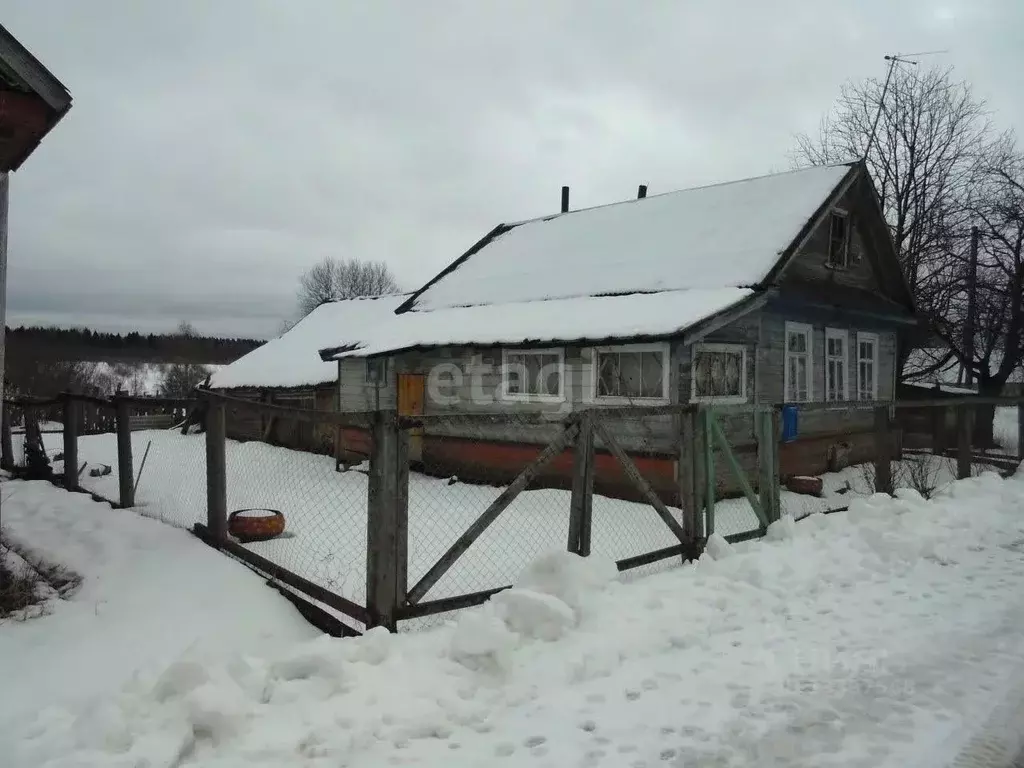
[[893, 59]]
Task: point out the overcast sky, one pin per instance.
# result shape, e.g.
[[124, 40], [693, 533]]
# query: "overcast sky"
[[217, 149]]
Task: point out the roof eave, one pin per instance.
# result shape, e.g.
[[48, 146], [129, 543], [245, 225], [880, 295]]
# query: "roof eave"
[[692, 332]]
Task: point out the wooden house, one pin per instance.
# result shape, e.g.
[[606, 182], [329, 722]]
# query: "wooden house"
[[783, 288], [288, 371]]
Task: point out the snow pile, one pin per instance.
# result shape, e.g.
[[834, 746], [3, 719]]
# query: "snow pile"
[[148, 594], [879, 637]]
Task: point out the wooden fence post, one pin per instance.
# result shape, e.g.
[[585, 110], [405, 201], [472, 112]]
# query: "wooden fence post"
[[125, 465], [938, 420], [963, 441], [582, 501], [692, 515], [387, 522], [70, 442], [883, 450], [216, 472], [6, 440], [776, 467], [1020, 430], [767, 446], [707, 469]]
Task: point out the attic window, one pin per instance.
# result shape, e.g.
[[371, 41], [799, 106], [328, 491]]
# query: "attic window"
[[839, 239]]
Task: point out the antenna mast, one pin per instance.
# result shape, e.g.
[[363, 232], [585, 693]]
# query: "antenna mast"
[[893, 59]]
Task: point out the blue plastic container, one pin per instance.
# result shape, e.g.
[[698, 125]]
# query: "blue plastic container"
[[789, 423]]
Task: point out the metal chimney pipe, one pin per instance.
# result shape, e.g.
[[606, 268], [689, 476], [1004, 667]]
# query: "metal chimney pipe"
[[565, 199], [641, 192]]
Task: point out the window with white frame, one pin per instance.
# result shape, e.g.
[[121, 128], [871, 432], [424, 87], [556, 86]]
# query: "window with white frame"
[[376, 370], [532, 374], [798, 360], [836, 354], [867, 366], [839, 239], [632, 372], [719, 373]]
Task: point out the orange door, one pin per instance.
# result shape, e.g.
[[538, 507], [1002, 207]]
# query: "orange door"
[[411, 388]]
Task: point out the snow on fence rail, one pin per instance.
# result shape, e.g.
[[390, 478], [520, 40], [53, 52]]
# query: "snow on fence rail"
[[417, 516]]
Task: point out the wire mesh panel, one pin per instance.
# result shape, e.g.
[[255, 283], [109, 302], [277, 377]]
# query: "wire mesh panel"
[[468, 465], [97, 450], [170, 475], [635, 484], [324, 511]]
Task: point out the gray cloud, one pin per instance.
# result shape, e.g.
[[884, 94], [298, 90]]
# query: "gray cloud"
[[216, 150]]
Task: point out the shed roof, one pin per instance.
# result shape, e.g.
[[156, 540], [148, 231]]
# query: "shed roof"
[[727, 235], [292, 360]]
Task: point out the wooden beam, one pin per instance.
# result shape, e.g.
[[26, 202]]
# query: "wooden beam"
[[709, 469], [387, 522], [691, 512], [638, 480], [446, 604], [274, 571], [738, 473], [581, 502], [499, 505], [346, 419], [70, 443], [883, 451], [963, 441], [216, 473], [767, 445], [125, 465], [6, 439], [1020, 432], [686, 550]]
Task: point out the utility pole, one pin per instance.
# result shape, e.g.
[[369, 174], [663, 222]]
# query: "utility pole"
[[972, 304]]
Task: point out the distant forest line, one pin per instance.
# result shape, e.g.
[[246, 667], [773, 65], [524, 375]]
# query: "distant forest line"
[[83, 344]]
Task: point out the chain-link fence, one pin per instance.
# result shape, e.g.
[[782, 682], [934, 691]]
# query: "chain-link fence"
[[415, 517], [323, 506]]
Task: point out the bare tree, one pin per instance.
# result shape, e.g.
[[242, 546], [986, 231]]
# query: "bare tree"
[[924, 156], [187, 330], [181, 378], [331, 279], [990, 302]]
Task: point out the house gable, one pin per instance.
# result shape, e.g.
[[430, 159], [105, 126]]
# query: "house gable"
[[872, 269]]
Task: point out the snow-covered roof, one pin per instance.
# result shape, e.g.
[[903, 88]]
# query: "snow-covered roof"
[[719, 236], [588, 318], [293, 360]]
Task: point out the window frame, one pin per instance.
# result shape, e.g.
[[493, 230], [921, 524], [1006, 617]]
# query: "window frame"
[[844, 214], [369, 361], [808, 331], [595, 369], [744, 395], [837, 333], [527, 397], [876, 353]]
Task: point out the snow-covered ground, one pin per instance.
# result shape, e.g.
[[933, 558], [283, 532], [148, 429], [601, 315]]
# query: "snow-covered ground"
[[149, 594], [884, 636]]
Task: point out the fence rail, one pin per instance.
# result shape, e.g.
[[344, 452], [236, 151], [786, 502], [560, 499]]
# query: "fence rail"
[[448, 508]]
